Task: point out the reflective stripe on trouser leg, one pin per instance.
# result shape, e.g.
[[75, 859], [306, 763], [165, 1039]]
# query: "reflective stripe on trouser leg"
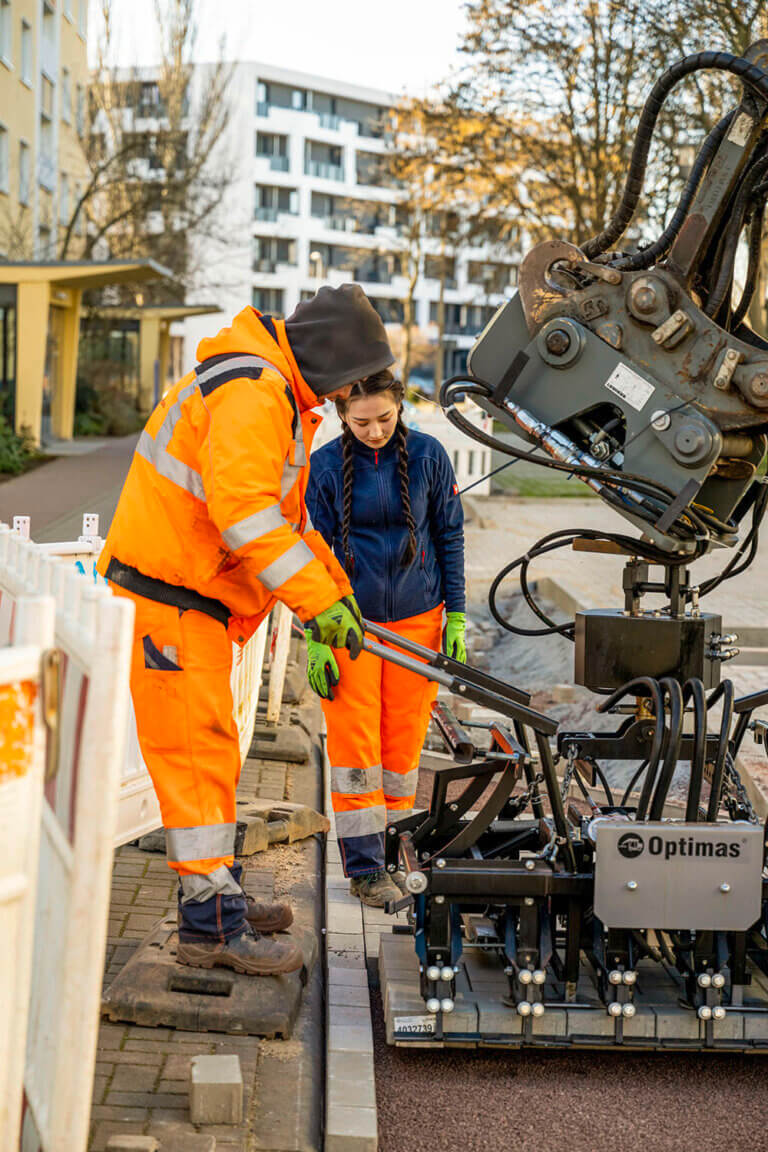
[[352, 722], [406, 700], [188, 738]]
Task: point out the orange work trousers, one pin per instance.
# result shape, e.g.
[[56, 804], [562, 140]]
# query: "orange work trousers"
[[376, 726], [180, 684]]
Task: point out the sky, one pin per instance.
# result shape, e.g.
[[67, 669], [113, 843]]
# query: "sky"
[[395, 45]]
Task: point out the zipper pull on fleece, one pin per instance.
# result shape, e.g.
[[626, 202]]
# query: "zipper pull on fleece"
[[376, 454]]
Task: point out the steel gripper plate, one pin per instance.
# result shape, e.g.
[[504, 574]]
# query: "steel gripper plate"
[[677, 875]]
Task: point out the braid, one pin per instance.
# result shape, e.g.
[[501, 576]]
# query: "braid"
[[401, 434], [349, 471]]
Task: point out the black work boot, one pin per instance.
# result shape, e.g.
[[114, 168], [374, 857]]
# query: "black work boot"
[[249, 954], [374, 888]]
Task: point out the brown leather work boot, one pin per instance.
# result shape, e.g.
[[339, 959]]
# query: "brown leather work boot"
[[374, 888], [268, 917], [250, 954]]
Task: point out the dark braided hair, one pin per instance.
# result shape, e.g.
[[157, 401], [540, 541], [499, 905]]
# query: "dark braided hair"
[[380, 382]]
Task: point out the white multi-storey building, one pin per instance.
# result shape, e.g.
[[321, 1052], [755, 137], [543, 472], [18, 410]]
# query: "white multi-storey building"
[[310, 206]]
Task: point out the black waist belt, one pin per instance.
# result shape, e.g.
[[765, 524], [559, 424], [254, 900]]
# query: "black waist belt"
[[174, 594]]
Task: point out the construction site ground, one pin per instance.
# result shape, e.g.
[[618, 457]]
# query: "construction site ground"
[[451, 1100]]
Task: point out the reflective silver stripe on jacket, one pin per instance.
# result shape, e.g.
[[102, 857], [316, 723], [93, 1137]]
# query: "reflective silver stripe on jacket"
[[362, 821], [200, 843], [400, 784], [356, 781], [233, 363], [170, 467], [253, 527], [287, 565], [199, 887]]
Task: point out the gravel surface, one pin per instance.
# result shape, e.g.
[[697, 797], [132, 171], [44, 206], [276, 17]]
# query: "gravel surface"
[[463, 1100]]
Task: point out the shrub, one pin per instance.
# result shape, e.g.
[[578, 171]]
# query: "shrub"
[[17, 449]]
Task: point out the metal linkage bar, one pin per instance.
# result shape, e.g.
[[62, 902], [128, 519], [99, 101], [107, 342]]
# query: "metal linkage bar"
[[440, 660], [463, 688]]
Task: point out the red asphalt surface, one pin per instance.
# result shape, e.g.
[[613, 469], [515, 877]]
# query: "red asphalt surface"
[[464, 1100]]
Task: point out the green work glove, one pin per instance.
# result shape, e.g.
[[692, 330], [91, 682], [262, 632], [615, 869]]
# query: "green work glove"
[[341, 626], [322, 669], [455, 629]]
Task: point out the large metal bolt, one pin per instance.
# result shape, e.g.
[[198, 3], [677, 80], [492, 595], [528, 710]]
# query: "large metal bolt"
[[660, 421], [645, 299], [725, 887], [558, 341], [758, 385]]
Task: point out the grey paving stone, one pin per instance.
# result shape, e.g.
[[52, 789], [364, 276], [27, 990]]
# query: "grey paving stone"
[[349, 1015], [133, 1143], [348, 996], [356, 976], [133, 1078], [216, 1090], [351, 1129], [350, 1038]]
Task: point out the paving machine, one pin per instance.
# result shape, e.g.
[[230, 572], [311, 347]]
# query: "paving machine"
[[612, 918]]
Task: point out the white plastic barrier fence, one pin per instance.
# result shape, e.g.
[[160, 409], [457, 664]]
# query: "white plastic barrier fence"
[[93, 633], [22, 766], [138, 810]]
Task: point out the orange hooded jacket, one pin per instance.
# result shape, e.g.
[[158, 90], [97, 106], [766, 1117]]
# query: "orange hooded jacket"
[[214, 498]]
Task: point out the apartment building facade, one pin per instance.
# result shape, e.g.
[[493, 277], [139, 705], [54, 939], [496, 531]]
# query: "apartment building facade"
[[311, 206], [43, 93]]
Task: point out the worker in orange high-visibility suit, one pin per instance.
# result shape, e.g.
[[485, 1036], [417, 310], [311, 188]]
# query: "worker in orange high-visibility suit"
[[211, 529]]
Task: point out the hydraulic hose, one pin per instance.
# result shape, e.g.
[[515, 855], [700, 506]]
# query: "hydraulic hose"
[[719, 293], [675, 694], [650, 686], [693, 689], [753, 267], [726, 690], [743, 69], [648, 256]]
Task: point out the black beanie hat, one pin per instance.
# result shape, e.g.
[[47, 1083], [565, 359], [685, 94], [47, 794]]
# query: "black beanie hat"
[[337, 337]]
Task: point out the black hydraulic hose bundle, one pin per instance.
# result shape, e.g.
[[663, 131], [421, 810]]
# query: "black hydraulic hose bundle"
[[645, 685], [743, 69], [672, 751], [724, 689], [649, 255], [693, 690], [721, 290]]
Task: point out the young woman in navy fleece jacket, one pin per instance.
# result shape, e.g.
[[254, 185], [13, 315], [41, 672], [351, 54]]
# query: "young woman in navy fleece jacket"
[[385, 499]]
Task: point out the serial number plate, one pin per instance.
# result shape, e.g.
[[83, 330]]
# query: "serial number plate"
[[678, 875], [414, 1025]]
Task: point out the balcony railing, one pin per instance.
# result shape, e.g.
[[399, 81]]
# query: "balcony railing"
[[262, 108], [330, 121], [262, 213], [324, 171], [265, 265], [279, 163]]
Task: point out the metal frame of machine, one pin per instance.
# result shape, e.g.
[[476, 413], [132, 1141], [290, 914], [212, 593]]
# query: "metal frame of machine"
[[614, 921]]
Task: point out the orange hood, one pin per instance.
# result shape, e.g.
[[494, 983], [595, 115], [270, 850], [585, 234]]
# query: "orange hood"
[[251, 334]]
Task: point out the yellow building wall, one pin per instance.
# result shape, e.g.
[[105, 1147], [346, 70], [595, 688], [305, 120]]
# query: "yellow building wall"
[[72, 162], [17, 115]]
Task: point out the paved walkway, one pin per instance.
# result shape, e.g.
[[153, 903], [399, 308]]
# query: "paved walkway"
[[56, 495]]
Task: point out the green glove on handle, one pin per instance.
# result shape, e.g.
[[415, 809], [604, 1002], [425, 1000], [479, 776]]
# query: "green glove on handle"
[[455, 630], [340, 626], [322, 669]]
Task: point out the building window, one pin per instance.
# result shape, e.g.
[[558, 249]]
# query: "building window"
[[64, 199], [23, 172], [323, 160], [26, 52], [82, 17], [274, 148], [262, 98], [269, 251], [6, 32], [48, 38], [270, 201], [268, 300], [46, 98], [298, 99], [66, 96], [4, 166], [80, 110], [68, 11]]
